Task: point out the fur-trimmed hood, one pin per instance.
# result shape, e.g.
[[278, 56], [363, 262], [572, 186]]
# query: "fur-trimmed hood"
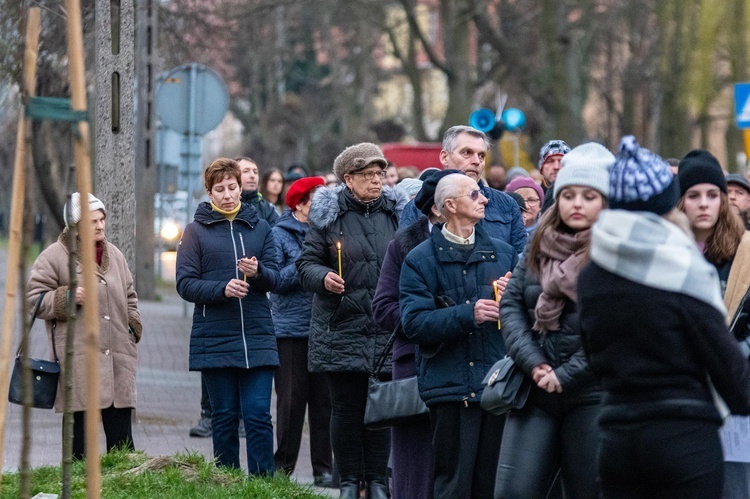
[[329, 204]]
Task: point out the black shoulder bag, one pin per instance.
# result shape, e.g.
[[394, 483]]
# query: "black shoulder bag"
[[44, 373], [392, 403]]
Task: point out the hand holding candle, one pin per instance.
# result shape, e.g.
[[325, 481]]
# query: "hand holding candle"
[[248, 266], [499, 286]]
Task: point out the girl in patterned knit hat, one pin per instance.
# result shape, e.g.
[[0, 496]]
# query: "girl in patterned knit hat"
[[653, 328]]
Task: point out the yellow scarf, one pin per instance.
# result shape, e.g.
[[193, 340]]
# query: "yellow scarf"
[[229, 214]]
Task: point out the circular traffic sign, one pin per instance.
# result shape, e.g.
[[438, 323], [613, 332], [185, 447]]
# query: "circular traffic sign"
[[193, 92]]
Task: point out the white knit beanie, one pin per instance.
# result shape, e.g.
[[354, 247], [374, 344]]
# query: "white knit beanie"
[[586, 165], [75, 208]]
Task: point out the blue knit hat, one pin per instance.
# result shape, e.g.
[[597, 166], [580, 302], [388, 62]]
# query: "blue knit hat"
[[641, 181], [552, 148]]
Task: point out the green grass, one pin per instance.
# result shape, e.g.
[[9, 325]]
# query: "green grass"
[[135, 475]]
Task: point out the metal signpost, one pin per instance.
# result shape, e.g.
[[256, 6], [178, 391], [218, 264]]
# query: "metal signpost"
[[191, 99]]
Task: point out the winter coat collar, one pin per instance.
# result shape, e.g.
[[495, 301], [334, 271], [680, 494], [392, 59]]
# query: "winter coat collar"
[[411, 236], [291, 224], [104, 267], [206, 216], [449, 252], [330, 204]]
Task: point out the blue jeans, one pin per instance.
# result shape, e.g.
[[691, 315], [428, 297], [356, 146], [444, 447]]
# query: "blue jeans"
[[245, 392]]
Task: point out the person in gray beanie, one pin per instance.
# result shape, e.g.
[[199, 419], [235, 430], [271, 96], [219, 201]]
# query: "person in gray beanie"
[[557, 429], [653, 325]]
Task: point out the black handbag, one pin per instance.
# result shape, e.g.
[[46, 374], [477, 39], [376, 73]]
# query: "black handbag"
[[392, 403], [44, 373], [506, 387]]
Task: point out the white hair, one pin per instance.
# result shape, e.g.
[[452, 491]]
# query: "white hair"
[[448, 186]]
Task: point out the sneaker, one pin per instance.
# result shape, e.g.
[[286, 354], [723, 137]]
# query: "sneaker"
[[323, 480], [202, 429]]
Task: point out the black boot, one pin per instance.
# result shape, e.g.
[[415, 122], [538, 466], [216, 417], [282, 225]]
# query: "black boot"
[[376, 489], [349, 488]]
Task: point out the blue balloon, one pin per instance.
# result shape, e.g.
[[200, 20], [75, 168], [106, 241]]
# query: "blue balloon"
[[514, 119]]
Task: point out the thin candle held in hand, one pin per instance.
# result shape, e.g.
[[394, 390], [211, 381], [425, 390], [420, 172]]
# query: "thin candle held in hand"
[[338, 250], [497, 299]]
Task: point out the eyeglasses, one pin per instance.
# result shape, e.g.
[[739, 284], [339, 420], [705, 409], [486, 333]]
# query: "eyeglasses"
[[474, 195], [531, 201], [370, 175]]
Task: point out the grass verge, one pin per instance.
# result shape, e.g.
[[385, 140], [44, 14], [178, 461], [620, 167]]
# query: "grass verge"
[[135, 475]]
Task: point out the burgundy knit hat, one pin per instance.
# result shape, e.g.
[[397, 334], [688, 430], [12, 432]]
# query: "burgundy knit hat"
[[525, 182]]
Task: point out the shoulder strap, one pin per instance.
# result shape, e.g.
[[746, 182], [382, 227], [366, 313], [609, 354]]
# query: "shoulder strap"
[[31, 324], [384, 354]]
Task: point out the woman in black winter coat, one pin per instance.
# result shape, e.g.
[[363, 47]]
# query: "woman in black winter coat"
[[557, 427], [345, 341], [226, 263]]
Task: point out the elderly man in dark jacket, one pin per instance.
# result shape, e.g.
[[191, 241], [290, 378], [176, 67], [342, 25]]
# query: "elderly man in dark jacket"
[[447, 308], [464, 148], [350, 227]]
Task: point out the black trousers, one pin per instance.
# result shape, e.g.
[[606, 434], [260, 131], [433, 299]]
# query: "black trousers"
[[118, 429], [550, 433], [467, 443], [664, 458], [205, 400], [360, 452], [297, 391]]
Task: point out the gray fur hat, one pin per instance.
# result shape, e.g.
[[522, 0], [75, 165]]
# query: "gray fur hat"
[[358, 157], [75, 208]]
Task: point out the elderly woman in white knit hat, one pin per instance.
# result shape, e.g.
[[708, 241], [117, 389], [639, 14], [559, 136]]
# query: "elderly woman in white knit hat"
[[120, 325], [557, 429]]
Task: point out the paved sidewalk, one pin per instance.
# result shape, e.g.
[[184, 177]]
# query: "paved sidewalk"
[[168, 394]]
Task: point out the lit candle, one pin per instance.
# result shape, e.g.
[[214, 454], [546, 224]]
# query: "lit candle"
[[497, 299], [338, 249]]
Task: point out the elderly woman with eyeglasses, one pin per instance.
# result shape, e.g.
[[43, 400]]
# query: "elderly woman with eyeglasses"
[[350, 228]]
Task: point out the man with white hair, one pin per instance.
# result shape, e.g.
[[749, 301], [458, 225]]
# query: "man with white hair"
[[464, 149], [449, 309]]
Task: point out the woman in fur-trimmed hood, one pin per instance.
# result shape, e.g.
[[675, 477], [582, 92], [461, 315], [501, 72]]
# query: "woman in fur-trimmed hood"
[[344, 343]]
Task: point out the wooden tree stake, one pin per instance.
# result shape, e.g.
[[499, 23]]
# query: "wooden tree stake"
[[16, 215]]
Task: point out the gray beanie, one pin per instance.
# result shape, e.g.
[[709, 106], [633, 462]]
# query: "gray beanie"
[[358, 157], [75, 208], [586, 165]]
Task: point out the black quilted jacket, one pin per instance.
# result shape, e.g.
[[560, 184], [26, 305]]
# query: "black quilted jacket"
[[343, 335], [560, 349]]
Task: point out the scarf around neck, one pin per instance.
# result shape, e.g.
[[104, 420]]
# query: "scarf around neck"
[[647, 249], [562, 257]]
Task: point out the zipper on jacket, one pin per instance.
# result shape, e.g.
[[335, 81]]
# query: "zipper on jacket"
[[204, 310], [237, 276]]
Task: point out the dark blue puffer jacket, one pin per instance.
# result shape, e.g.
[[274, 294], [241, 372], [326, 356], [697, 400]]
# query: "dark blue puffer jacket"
[[454, 353], [290, 303], [228, 332]]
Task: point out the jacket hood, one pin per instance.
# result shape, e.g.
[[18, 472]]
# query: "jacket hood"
[[205, 215], [329, 204], [291, 224]]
